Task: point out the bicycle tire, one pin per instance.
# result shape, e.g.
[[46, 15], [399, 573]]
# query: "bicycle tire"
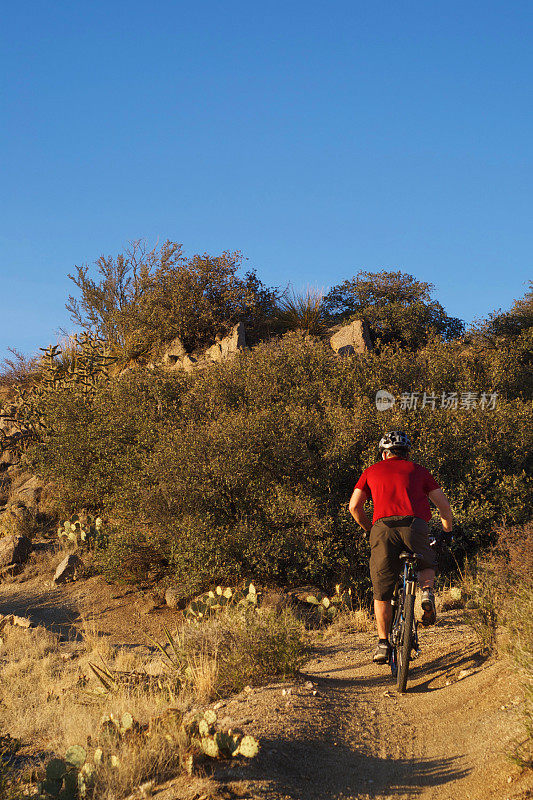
[[406, 642]]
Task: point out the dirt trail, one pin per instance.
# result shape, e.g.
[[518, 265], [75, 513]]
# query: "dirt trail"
[[341, 731], [357, 738]]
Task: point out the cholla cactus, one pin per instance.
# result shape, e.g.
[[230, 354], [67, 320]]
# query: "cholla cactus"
[[85, 364]]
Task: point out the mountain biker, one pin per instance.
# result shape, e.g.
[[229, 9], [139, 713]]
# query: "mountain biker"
[[399, 489]]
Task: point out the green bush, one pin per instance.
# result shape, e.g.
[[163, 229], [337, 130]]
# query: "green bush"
[[397, 307], [249, 647], [144, 298], [245, 469]]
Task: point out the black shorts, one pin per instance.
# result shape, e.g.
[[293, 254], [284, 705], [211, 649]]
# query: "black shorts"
[[388, 537]]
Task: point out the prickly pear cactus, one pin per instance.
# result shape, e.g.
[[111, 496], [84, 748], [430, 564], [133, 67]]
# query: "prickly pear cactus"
[[86, 533], [215, 600], [327, 608], [68, 777], [202, 733]]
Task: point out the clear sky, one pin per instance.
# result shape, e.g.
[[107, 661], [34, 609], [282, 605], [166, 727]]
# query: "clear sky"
[[320, 138]]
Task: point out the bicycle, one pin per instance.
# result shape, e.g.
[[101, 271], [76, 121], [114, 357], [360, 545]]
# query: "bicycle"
[[403, 637]]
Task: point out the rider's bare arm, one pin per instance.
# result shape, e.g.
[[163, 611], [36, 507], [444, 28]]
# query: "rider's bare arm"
[[357, 502], [438, 497]]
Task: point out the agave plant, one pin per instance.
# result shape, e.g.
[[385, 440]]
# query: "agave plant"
[[303, 311]]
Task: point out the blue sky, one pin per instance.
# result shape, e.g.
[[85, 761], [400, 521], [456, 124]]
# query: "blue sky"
[[318, 138]]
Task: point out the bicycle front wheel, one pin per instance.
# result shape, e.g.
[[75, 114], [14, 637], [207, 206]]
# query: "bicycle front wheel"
[[405, 644]]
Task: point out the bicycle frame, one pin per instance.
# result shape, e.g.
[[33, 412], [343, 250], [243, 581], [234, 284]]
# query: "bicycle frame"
[[405, 585]]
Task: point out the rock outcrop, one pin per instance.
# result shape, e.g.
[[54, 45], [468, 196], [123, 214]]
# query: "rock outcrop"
[[225, 348], [352, 338], [174, 353], [25, 488], [14, 550]]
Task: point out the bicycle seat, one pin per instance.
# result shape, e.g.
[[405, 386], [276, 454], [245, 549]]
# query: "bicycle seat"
[[407, 555]]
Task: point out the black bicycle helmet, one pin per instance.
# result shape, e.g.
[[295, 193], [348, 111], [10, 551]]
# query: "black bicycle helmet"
[[394, 439]]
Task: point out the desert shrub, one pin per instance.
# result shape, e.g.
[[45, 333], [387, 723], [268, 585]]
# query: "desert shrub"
[[17, 369], [514, 322], [248, 648], [144, 298], [500, 588], [245, 469], [521, 628], [397, 307]]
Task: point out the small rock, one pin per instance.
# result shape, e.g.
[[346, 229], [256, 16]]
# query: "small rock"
[[22, 622], [155, 667], [309, 685], [464, 673], [248, 689], [147, 604], [173, 597]]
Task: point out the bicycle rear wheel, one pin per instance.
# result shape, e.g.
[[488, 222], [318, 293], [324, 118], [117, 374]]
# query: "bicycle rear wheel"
[[405, 643]]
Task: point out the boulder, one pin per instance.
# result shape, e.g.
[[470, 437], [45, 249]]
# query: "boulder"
[[174, 354], [16, 520], [228, 347], [14, 550], [214, 353], [68, 569], [188, 363], [352, 338]]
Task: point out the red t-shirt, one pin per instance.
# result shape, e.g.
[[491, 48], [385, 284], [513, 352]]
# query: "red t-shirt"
[[399, 488]]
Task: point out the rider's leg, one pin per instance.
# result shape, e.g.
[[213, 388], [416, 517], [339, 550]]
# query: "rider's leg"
[[383, 612], [426, 578]]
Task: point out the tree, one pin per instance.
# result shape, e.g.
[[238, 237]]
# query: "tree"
[[146, 297], [397, 307], [517, 320]]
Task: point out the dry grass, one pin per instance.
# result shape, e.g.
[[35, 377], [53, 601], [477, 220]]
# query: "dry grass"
[[51, 699], [358, 620]]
